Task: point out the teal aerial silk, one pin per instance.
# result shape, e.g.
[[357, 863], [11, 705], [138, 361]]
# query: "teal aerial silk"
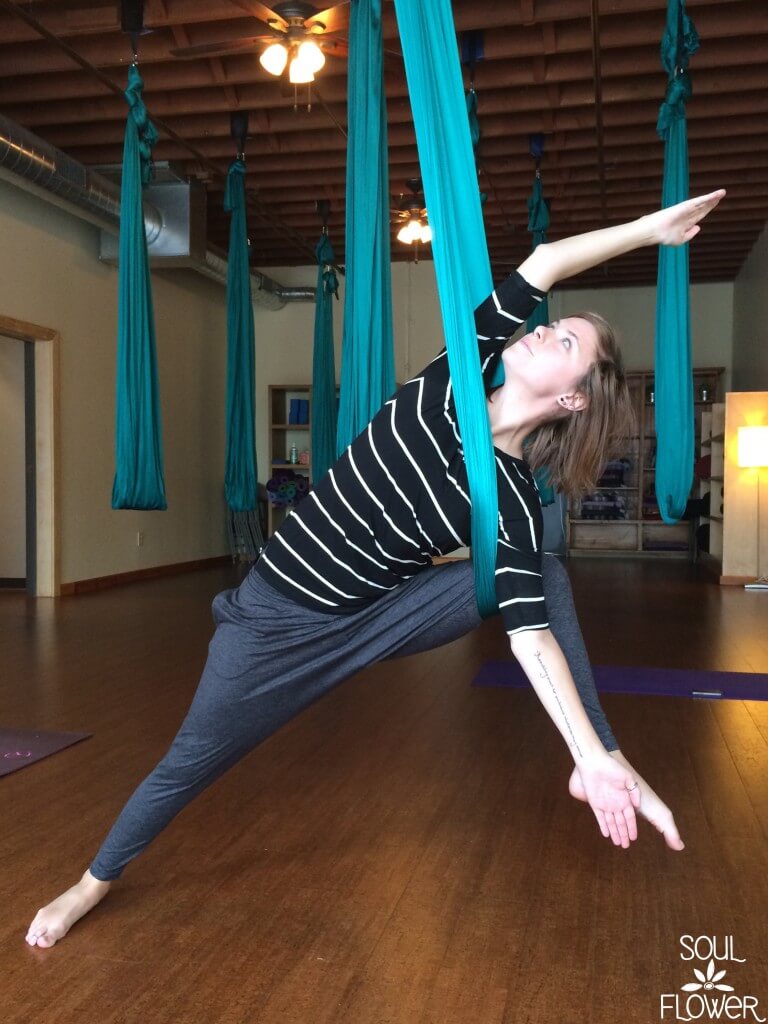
[[323, 363], [462, 266], [673, 370], [367, 358], [240, 472], [474, 128], [138, 481], [538, 222]]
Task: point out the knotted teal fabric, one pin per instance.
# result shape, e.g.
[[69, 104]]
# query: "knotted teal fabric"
[[240, 469], [367, 358], [323, 363], [138, 482], [460, 253], [673, 369], [538, 222], [474, 129]]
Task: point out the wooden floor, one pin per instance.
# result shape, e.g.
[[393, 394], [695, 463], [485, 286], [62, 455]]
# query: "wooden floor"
[[404, 851]]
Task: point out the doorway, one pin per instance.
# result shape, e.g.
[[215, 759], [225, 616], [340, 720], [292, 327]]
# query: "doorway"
[[29, 460]]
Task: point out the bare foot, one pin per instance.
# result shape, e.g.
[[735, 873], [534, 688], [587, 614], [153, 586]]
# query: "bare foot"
[[52, 923]]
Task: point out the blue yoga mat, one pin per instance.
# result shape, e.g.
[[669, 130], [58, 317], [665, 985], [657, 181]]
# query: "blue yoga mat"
[[659, 682]]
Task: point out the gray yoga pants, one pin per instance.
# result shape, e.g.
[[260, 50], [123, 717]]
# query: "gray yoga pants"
[[270, 658]]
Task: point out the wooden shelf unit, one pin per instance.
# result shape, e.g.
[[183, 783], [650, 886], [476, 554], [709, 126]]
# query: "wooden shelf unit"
[[643, 533], [282, 435], [712, 444]]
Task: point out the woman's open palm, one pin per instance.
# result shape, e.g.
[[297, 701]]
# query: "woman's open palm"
[[651, 807], [612, 793], [678, 224]]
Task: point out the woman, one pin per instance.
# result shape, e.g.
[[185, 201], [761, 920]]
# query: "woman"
[[347, 580]]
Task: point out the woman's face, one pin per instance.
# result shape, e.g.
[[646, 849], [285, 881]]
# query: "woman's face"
[[551, 360]]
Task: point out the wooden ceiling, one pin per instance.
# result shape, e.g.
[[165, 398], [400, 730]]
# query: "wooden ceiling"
[[602, 162]]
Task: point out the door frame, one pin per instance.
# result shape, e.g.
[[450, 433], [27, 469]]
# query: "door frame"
[[47, 568]]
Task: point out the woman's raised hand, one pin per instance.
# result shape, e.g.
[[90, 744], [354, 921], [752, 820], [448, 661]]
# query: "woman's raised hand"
[[678, 224], [613, 793]]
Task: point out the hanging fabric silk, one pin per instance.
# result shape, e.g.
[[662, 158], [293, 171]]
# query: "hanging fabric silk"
[[138, 481], [673, 370], [432, 68], [367, 361], [538, 222], [323, 363], [240, 472]]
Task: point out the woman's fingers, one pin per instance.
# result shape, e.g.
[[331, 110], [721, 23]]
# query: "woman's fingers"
[[702, 205], [619, 826]]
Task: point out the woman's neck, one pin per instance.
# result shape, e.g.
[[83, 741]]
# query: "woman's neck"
[[512, 419]]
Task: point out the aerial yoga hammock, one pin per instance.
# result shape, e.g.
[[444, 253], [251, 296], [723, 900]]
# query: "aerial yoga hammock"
[[368, 365], [324, 409], [673, 373], [241, 473], [138, 482], [436, 91]]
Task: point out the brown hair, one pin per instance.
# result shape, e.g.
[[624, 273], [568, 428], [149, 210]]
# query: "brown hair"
[[576, 447]]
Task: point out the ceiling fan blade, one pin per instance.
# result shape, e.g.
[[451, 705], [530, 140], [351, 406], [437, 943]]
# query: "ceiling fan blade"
[[332, 19], [335, 48], [263, 13], [219, 49]]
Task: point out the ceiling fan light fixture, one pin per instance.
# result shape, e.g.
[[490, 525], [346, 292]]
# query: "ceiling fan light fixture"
[[404, 234], [300, 73], [425, 235], [274, 59], [311, 56]]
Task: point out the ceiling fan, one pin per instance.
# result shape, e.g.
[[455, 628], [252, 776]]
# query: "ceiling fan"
[[298, 35], [411, 216]]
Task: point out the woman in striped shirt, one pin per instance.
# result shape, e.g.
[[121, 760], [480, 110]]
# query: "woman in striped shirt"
[[348, 579]]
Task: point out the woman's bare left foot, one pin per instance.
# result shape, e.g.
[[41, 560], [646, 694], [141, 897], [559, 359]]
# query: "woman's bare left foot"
[[53, 921]]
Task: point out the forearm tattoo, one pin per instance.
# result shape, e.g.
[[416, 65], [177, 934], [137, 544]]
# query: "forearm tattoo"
[[545, 675]]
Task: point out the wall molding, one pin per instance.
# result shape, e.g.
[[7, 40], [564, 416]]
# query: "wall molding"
[[153, 572]]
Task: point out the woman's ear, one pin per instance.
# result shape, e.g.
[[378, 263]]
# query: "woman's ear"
[[574, 402]]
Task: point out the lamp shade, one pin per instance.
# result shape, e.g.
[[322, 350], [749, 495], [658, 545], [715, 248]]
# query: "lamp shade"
[[753, 446], [311, 56], [274, 59], [300, 73]]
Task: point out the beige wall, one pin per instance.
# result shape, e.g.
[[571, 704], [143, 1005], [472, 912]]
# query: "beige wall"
[[632, 312], [750, 320], [50, 275], [13, 531]]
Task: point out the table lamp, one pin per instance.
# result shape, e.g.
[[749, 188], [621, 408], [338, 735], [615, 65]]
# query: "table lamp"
[[753, 454]]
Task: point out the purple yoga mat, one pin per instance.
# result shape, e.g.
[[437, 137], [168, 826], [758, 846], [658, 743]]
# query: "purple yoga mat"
[[20, 747], [661, 682]]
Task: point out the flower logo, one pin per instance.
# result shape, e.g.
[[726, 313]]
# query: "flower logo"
[[708, 981]]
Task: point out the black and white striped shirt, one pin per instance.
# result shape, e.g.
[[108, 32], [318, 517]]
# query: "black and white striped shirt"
[[399, 495]]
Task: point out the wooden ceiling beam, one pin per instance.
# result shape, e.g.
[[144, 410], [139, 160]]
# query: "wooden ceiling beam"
[[509, 69], [468, 14], [705, 172], [311, 129], [736, 19]]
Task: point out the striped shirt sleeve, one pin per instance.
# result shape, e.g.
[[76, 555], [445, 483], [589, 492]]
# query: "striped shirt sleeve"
[[519, 586], [507, 307]]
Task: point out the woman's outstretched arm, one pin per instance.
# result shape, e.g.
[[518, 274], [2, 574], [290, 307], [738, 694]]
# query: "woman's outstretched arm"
[[551, 262], [610, 788]]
